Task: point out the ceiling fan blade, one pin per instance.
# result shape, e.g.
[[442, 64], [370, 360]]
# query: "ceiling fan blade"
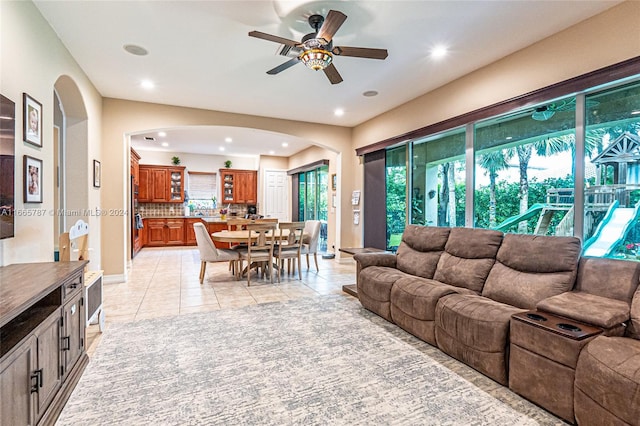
[[332, 74], [360, 52], [332, 23], [283, 66], [269, 37]]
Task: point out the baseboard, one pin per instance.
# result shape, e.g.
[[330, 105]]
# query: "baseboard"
[[114, 279]]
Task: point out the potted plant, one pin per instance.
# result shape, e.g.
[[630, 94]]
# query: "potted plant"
[[227, 164], [175, 160], [223, 214]]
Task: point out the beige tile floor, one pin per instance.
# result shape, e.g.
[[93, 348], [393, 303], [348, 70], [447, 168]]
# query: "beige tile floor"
[[164, 282]]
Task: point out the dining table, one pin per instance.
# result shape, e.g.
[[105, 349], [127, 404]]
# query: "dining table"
[[236, 237]]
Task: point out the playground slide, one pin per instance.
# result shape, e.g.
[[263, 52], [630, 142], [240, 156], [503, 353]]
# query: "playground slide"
[[533, 211], [611, 231]]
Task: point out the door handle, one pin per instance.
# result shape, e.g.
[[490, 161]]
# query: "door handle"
[[68, 340]]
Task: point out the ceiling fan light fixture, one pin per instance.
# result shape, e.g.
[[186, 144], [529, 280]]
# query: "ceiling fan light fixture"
[[316, 59]]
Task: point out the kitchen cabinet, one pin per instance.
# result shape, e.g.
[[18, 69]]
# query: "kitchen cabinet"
[[161, 184], [190, 234], [239, 186], [42, 330], [135, 167], [217, 227], [164, 232]]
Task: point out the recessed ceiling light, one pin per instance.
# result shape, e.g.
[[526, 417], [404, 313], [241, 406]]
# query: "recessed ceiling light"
[[135, 49], [228, 140], [162, 134], [272, 152], [147, 84], [439, 52], [284, 144], [339, 112], [370, 93], [165, 144], [221, 148]]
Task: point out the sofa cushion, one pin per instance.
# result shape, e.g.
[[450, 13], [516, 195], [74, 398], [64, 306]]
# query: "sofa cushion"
[[530, 268], [468, 257], [633, 329], [374, 289], [376, 281], [420, 249], [595, 276], [608, 373], [475, 330], [413, 305], [588, 308]]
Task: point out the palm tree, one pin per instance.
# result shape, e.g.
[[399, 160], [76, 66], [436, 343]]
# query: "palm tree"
[[493, 162]]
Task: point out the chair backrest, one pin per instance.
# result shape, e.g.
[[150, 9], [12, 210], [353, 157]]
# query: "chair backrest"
[[237, 224], [260, 237], [208, 250], [311, 235], [267, 220], [294, 237]]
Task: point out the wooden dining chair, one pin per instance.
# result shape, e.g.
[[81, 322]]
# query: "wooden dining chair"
[[259, 252], [288, 247]]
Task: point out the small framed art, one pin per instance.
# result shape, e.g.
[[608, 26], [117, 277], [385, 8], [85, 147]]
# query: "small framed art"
[[97, 172], [32, 120], [32, 180], [334, 182]]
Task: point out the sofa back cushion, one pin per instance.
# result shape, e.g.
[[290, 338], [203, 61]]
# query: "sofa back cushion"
[[468, 257], [633, 328], [420, 249], [611, 278], [530, 268]]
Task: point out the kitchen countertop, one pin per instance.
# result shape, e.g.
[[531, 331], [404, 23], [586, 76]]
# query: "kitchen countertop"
[[207, 219]]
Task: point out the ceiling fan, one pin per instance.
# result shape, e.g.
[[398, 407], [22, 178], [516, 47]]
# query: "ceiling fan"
[[545, 112], [317, 47]]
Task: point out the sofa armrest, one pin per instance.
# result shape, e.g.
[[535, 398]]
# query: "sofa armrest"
[[588, 308], [376, 259]]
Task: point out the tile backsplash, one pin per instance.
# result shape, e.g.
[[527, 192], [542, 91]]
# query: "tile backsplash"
[[177, 209]]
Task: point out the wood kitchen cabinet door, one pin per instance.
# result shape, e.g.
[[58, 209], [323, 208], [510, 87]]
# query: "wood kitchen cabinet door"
[[160, 178], [144, 185], [248, 186], [174, 232], [190, 233], [155, 232]]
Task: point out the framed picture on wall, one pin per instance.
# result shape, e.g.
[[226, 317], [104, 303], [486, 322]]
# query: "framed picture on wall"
[[32, 180], [97, 172], [32, 120], [334, 182]]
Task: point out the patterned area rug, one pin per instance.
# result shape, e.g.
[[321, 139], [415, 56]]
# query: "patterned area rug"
[[299, 362]]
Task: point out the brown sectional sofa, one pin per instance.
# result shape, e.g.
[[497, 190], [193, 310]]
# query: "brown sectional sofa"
[[459, 289]]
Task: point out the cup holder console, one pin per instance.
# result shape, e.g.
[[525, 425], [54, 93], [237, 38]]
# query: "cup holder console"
[[536, 317], [569, 327]]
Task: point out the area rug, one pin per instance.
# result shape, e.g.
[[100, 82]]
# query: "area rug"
[[306, 361]]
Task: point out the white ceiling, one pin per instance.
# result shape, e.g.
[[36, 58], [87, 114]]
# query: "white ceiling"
[[201, 56]]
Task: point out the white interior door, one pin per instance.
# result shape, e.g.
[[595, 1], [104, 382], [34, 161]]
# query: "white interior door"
[[276, 195]]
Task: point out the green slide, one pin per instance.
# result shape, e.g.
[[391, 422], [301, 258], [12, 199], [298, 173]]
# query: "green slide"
[[533, 211]]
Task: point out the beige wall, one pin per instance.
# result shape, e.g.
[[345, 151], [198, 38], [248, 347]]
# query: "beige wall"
[[603, 40], [198, 162], [121, 118], [33, 59]]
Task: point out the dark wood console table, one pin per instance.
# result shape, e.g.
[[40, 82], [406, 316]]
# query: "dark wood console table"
[[352, 289], [42, 335]]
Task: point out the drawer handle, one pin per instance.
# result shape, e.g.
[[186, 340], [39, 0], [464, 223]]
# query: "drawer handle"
[[68, 340], [37, 375]]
